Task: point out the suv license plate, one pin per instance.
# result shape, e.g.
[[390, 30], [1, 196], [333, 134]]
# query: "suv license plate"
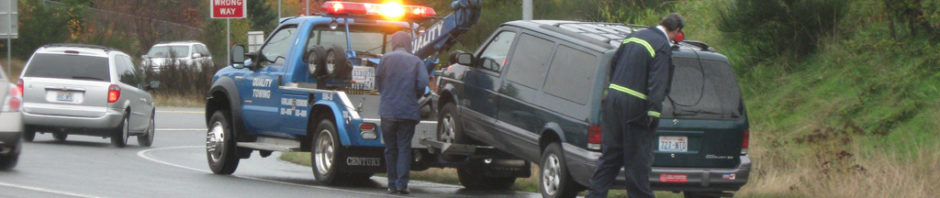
[[64, 96], [673, 143]]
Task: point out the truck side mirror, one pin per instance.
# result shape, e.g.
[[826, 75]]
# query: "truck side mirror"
[[465, 59], [238, 56]]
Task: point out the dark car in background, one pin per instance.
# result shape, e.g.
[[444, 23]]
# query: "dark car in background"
[[11, 123], [534, 90]]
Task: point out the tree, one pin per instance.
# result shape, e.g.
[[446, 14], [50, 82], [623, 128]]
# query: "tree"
[[262, 16]]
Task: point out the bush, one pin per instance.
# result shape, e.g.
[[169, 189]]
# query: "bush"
[[183, 80], [771, 28], [921, 17]]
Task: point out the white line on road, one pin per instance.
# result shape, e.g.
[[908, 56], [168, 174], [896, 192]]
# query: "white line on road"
[[144, 154], [193, 129], [38, 189], [176, 111]]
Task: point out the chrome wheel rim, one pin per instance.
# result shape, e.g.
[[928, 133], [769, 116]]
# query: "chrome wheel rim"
[[215, 141], [324, 153], [330, 63], [550, 174], [447, 134]]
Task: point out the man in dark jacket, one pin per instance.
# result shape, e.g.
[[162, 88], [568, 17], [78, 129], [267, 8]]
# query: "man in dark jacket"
[[639, 81], [401, 79]]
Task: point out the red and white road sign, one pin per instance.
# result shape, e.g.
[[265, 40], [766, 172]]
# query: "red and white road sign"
[[228, 9]]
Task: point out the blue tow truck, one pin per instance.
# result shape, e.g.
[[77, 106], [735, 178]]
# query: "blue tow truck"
[[310, 88]]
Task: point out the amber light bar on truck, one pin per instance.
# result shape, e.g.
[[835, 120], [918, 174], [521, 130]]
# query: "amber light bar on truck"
[[392, 10]]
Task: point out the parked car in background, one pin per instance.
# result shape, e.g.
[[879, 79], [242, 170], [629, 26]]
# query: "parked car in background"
[[86, 90], [11, 125], [535, 90], [192, 54]]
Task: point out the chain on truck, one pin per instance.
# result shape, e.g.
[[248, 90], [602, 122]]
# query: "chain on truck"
[[311, 88]]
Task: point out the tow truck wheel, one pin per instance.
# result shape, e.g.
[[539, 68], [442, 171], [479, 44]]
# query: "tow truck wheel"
[[220, 144], [554, 180], [326, 154]]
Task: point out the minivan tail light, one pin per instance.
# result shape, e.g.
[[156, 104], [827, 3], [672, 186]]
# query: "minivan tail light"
[[745, 142], [114, 93], [594, 137], [12, 101], [19, 86]]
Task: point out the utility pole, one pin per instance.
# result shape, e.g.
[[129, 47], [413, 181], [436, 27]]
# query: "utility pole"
[[526, 9], [278, 10], [306, 7]]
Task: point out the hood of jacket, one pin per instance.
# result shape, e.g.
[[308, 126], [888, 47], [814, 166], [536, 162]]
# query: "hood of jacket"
[[402, 40]]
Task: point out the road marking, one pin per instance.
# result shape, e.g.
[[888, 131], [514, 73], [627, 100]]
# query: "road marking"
[[143, 154], [38, 189], [193, 129], [179, 111]]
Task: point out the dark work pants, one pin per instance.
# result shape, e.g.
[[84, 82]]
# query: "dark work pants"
[[624, 145], [397, 135]]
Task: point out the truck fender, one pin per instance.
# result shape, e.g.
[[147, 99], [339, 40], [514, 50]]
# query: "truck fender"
[[226, 86], [338, 119], [448, 92], [549, 129]]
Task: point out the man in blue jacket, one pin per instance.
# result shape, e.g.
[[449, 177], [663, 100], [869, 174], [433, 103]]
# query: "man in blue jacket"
[[401, 79], [639, 81]]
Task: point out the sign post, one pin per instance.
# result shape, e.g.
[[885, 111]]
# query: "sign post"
[[228, 9], [8, 27]]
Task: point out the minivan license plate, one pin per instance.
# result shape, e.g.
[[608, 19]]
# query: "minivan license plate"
[[64, 96], [673, 143]]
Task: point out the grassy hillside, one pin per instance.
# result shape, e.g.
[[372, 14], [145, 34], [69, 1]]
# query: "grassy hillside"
[[853, 113], [857, 117]]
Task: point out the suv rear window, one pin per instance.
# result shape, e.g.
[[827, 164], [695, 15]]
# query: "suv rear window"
[[704, 89], [69, 67]]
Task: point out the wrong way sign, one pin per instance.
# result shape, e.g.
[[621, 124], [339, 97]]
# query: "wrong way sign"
[[228, 9]]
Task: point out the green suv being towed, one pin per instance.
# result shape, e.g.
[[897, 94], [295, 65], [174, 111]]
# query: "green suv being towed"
[[534, 90]]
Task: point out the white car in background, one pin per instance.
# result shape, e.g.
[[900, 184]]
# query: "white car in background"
[[11, 125], [178, 53]]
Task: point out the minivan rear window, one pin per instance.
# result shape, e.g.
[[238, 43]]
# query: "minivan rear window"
[[704, 89], [69, 67]]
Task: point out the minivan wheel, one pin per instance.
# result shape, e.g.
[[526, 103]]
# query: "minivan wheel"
[[146, 139], [60, 136], [29, 133], [119, 135], [472, 176], [554, 180], [327, 154], [220, 144]]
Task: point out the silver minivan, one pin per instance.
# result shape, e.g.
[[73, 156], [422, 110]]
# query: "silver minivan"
[[86, 90], [10, 123]]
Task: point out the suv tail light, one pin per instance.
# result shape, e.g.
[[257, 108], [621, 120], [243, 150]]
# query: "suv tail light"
[[13, 100], [114, 93], [744, 142], [594, 137]]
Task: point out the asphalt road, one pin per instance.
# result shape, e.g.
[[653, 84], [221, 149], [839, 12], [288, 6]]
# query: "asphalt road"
[[175, 166]]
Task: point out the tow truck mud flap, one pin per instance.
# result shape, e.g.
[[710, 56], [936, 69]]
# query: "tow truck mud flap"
[[361, 159]]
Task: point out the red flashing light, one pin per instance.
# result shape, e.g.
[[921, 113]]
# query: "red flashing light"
[[391, 10], [114, 93]]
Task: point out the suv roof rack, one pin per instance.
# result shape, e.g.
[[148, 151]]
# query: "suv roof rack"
[[79, 45], [701, 45], [599, 32]]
